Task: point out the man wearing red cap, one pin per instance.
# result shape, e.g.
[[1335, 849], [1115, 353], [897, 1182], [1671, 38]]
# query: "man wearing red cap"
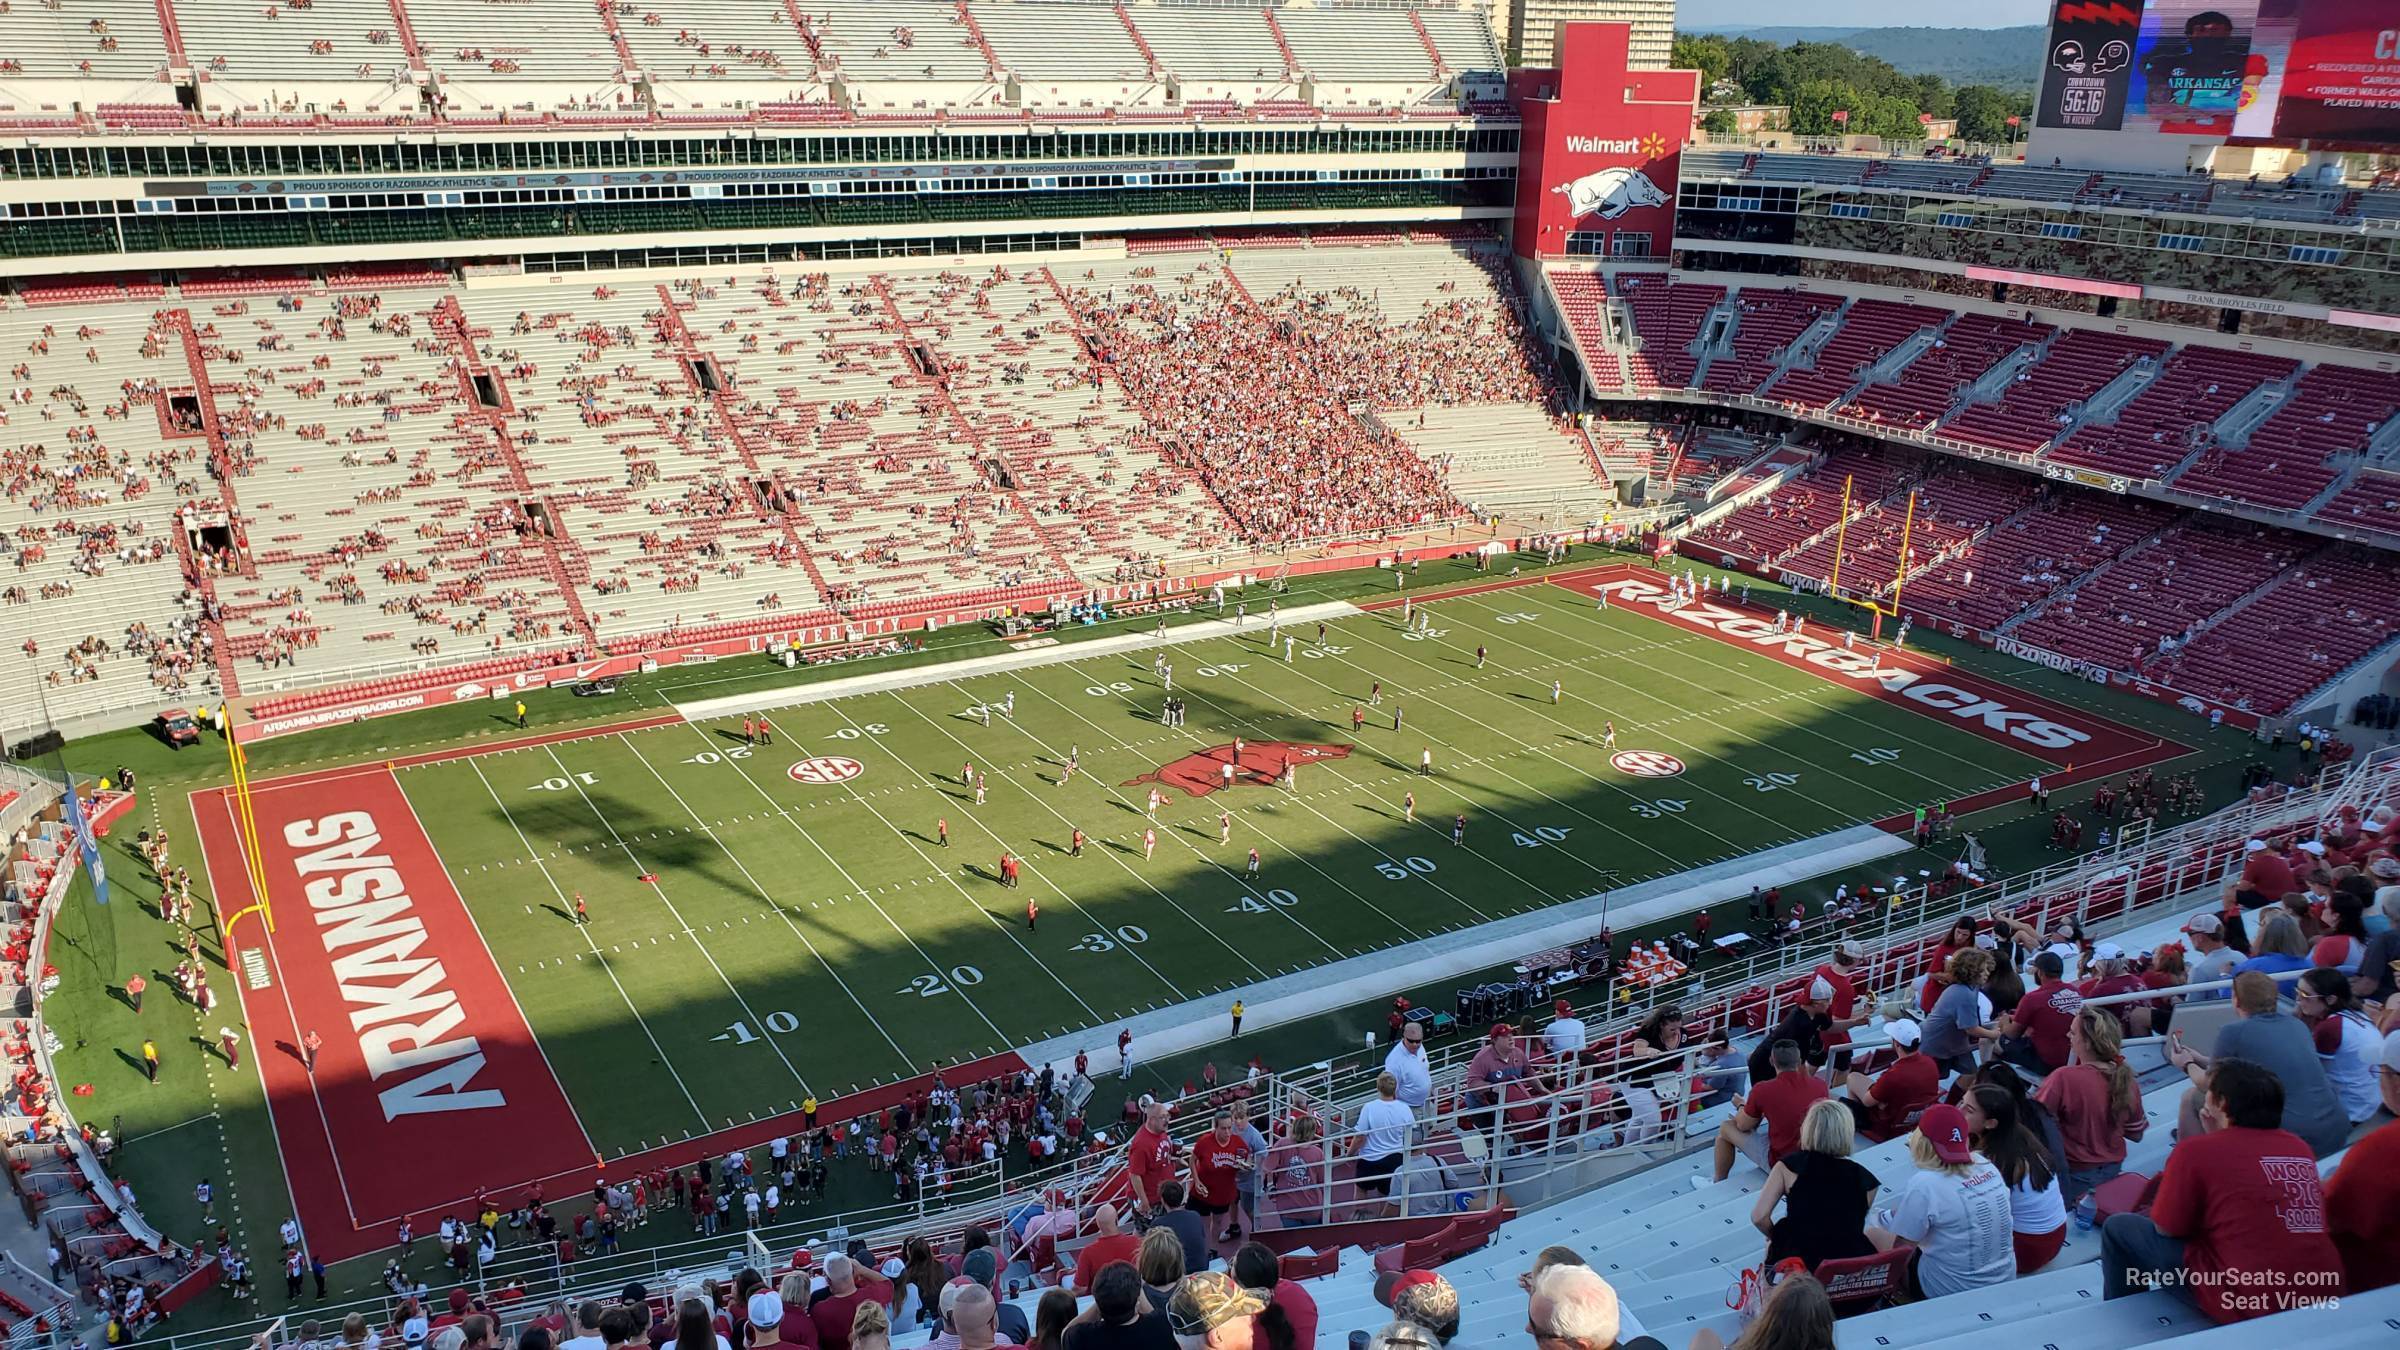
[[1567, 1036], [1500, 1062]]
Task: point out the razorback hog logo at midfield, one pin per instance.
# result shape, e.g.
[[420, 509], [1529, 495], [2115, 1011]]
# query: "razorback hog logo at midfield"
[[1928, 689], [1203, 771], [1611, 192]]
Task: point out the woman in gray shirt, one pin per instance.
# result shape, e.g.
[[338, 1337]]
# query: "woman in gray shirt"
[[1957, 1019]]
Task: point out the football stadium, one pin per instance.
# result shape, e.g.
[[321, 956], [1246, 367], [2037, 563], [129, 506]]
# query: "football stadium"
[[1400, 673]]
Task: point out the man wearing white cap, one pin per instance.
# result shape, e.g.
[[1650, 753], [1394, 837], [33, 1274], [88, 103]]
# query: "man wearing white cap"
[[1881, 1109], [1804, 1026], [2213, 959], [765, 1313], [2266, 878]]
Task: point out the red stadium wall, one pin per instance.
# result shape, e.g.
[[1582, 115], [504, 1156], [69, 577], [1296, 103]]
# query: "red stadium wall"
[[1601, 145]]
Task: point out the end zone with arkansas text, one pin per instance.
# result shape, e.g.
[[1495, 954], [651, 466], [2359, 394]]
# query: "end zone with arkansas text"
[[424, 1046], [2083, 745]]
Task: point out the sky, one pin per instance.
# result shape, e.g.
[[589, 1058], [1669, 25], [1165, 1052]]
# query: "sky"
[[1702, 15]]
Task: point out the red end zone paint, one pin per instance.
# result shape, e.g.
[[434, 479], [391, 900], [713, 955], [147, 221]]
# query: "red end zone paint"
[[1203, 771], [425, 1048], [2081, 744]]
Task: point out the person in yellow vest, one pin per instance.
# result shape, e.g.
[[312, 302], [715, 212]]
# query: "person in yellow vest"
[[1237, 1017], [520, 714]]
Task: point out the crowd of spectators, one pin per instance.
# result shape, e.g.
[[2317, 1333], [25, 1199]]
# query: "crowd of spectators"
[[1265, 398]]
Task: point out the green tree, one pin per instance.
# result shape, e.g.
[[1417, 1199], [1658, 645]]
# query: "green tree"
[[1983, 112], [1703, 52], [1718, 123], [1815, 102]]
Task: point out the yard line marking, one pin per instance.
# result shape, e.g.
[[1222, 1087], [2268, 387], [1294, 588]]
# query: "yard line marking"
[[659, 888], [834, 706], [1242, 880], [1589, 774], [1454, 794], [931, 966], [1494, 861], [1031, 795], [555, 890], [1814, 685]]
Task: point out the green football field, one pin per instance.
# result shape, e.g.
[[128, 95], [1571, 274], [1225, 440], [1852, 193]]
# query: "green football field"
[[759, 935], [815, 938]]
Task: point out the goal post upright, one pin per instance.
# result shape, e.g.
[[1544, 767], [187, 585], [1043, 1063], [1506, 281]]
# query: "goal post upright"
[[246, 820]]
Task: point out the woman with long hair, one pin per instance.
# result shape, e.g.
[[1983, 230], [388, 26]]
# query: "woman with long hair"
[[1159, 1261], [2347, 1043], [1797, 1315], [2037, 1208], [2277, 946], [1257, 1269], [921, 1280], [1652, 1067], [2344, 942], [696, 1327], [1960, 938], [2031, 1114], [2097, 1101], [1050, 1319]]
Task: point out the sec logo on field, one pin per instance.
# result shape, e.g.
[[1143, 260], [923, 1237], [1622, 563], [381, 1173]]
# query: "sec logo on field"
[[1646, 763], [825, 769]]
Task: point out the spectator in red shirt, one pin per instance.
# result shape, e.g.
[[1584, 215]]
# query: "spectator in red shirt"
[[1219, 1158], [1778, 1104], [832, 1314], [1841, 976], [2238, 1226], [2096, 1102], [1257, 1269], [2043, 1018], [2362, 1203], [1149, 1163], [1882, 1108], [2111, 973], [2266, 878], [1961, 937], [1109, 1244]]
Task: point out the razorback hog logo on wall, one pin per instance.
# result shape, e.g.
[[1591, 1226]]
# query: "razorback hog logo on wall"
[[1261, 764], [1980, 710], [1601, 148]]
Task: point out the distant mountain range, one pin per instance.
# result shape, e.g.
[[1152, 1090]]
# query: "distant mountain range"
[[2007, 57]]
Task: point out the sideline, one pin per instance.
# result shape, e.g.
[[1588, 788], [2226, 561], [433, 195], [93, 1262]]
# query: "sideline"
[[1190, 1025], [1055, 653]]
